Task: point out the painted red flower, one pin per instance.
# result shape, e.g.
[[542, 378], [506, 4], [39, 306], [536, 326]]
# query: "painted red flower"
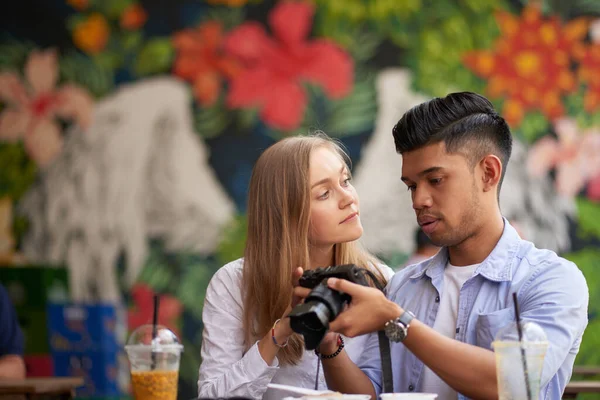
[[275, 67], [169, 309], [530, 65], [201, 60], [588, 73]]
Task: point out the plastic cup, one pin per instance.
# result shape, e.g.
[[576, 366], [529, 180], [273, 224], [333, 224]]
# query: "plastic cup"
[[408, 396], [154, 363], [519, 365]]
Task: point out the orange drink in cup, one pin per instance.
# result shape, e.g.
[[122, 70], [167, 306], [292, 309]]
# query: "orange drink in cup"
[[154, 363]]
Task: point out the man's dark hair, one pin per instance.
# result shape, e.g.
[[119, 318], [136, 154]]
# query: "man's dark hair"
[[466, 122]]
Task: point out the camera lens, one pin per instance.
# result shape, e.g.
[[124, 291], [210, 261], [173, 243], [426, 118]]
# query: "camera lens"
[[312, 318]]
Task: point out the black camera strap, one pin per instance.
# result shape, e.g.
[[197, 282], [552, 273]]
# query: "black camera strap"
[[386, 363]]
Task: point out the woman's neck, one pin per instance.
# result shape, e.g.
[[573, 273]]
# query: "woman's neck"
[[321, 257]]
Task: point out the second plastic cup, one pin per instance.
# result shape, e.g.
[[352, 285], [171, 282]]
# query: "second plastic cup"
[[519, 364], [154, 363]]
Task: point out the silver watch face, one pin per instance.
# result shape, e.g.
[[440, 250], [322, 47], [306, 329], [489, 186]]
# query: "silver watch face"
[[395, 331]]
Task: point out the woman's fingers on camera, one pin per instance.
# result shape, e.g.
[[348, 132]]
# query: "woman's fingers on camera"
[[299, 294], [297, 274]]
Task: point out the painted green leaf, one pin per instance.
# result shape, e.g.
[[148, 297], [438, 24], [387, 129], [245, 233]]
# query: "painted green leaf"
[[534, 126], [229, 17], [435, 55], [589, 217], [574, 105], [17, 170], [114, 8], [131, 40], [356, 112], [156, 273], [190, 361], [155, 57], [588, 261], [192, 288], [210, 121], [13, 54], [80, 69], [234, 240], [108, 60]]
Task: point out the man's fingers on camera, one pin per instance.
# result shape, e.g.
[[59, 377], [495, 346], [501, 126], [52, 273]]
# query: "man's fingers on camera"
[[342, 285], [343, 325]]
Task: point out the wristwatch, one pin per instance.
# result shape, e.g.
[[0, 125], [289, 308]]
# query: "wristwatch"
[[397, 329]]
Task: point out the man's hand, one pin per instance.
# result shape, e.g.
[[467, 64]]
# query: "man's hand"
[[368, 312]]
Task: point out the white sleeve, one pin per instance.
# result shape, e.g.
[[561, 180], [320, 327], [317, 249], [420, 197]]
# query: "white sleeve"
[[225, 370]]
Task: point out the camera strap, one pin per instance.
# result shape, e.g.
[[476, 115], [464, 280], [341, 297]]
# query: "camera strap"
[[386, 363]]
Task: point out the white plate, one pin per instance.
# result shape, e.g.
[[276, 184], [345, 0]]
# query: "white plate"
[[297, 390], [310, 394], [408, 396]]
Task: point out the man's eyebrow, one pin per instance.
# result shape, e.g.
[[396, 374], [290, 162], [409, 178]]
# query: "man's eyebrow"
[[424, 172]]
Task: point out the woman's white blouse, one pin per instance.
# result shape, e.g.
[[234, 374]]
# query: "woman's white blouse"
[[226, 370]]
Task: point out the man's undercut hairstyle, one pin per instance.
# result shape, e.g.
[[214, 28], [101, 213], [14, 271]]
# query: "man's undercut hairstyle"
[[466, 122]]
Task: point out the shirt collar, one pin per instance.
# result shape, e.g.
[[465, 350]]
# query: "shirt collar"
[[498, 265]]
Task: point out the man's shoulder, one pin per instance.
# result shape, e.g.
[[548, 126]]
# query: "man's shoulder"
[[535, 265], [407, 273], [544, 260]]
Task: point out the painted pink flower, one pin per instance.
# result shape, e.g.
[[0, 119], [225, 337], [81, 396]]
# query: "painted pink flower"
[[593, 190], [32, 107], [575, 156], [275, 67], [169, 309]]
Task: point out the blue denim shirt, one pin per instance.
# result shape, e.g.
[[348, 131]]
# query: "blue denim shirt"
[[551, 292]]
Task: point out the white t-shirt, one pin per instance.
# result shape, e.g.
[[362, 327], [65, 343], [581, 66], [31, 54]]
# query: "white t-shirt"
[[445, 323], [227, 369]]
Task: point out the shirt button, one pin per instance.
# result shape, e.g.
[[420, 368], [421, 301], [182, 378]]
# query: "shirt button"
[[437, 299], [411, 388]]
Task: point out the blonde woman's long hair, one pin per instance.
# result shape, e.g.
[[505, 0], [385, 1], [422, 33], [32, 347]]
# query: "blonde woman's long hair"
[[278, 236]]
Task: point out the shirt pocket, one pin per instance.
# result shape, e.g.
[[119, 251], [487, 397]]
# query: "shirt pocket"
[[489, 324]]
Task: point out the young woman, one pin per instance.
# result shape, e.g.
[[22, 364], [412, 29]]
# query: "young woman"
[[303, 212]]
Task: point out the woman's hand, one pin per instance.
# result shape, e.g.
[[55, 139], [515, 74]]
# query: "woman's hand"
[[283, 329]]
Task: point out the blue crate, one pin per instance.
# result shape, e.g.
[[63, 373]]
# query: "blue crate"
[[104, 373], [84, 327]]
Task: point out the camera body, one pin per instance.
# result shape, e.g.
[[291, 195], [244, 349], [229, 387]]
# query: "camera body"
[[322, 305]]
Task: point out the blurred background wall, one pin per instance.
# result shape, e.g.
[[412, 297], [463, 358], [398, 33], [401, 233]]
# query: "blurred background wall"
[[128, 130]]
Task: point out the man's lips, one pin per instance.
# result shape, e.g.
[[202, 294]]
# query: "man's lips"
[[349, 217], [425, 220]]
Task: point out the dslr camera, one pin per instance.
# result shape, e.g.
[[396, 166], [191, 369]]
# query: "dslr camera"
[[311, 319]]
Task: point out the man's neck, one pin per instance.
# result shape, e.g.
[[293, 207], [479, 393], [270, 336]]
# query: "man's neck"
[[476, 248]]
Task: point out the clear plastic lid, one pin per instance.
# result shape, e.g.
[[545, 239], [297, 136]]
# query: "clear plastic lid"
[[531, 333], [142, 338]]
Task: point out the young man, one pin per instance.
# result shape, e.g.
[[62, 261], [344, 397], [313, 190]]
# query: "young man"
[[12, 365], [455, 151]]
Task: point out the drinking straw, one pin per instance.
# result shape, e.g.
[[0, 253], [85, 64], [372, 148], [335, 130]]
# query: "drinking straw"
[[523, 358], [154, 323]]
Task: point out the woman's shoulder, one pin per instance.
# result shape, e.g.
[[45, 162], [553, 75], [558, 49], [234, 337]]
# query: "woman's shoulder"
[[229, 274], [386, 271]]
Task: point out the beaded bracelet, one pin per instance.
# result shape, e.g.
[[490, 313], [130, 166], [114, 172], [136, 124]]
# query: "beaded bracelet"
[[340, 343], [273, 336]]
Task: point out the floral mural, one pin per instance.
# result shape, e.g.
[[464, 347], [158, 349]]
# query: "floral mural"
[[190, 92]]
